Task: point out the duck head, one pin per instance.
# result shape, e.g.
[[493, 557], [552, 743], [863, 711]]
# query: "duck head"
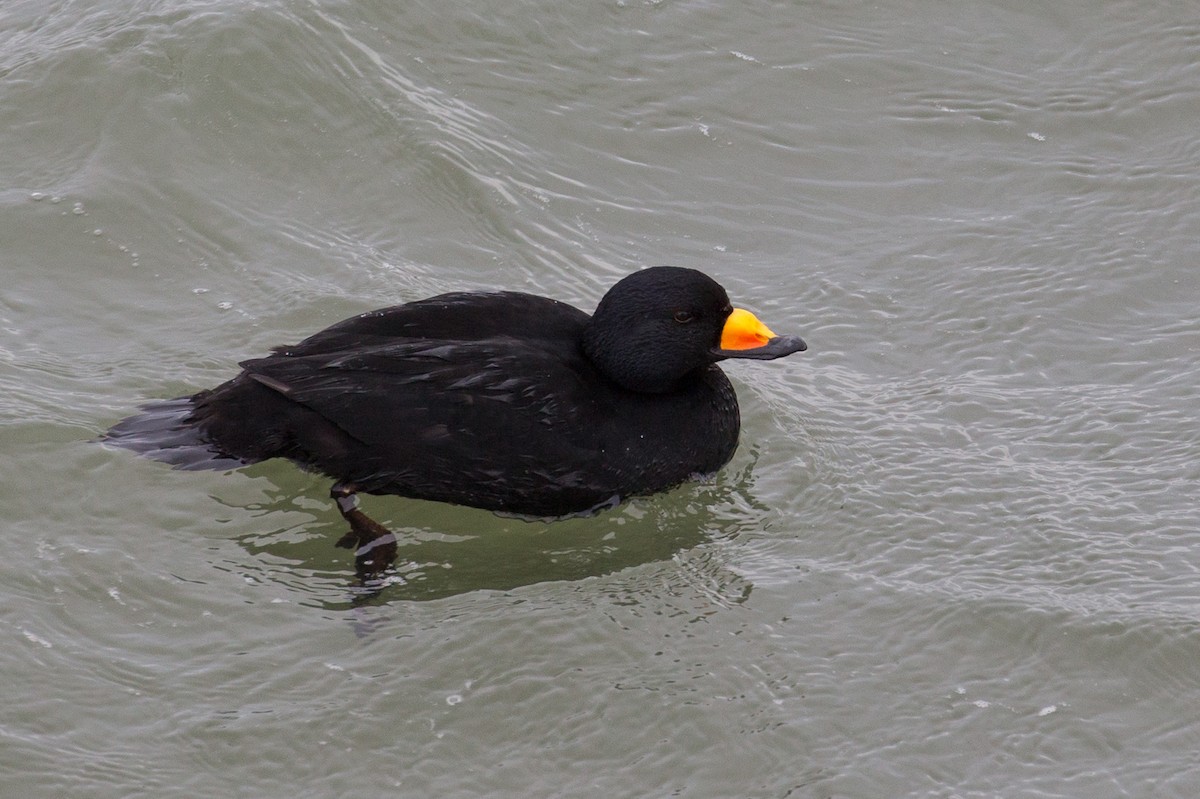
[[657, 326]]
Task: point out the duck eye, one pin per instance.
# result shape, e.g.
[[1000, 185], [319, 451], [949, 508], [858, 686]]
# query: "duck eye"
[[683, 317]]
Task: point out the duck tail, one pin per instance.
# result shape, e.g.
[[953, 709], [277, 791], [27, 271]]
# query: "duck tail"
[[165, 431]]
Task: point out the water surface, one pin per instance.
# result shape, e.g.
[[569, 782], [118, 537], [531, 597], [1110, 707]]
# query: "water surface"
[[956, 555]]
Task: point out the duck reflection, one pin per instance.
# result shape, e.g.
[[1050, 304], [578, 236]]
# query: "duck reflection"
[[476, 550]]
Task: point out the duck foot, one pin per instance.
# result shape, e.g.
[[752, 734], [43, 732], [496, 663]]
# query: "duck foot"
[[374, 545]]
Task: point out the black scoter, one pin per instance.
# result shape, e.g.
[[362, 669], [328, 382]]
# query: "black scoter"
[[501, 400]]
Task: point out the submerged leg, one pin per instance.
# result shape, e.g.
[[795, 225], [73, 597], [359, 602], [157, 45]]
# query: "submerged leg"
[[373, 544]]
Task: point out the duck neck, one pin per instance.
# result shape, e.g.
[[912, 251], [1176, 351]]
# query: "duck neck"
[[632, 364]]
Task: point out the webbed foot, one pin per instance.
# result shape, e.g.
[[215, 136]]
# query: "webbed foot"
[[373, 544]]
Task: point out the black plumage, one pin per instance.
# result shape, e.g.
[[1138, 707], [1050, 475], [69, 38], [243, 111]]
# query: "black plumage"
[[504, 401]]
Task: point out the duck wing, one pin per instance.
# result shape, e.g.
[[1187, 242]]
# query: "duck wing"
[[499, 422]]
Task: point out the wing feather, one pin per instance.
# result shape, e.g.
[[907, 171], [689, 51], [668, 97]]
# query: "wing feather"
[[503, 413]]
